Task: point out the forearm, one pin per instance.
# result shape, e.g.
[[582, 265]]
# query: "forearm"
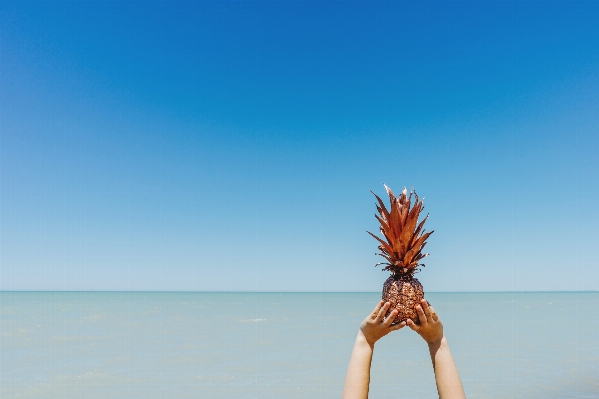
[[449, 384], [357, 379]]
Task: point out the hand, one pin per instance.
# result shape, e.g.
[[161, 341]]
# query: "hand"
[[376, 326], [430, 328]]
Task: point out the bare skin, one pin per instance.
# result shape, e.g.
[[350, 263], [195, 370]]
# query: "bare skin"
[[449, 384], [376, 326]]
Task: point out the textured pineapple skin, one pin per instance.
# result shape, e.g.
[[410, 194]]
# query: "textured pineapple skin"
[[404, 293]]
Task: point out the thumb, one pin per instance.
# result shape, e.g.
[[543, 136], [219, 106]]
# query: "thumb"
[[412, 325]]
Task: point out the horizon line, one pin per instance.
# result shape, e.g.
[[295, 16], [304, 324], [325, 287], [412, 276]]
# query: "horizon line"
[[300, 292]]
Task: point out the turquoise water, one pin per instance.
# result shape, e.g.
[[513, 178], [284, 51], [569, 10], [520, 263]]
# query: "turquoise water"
[[290, 345]]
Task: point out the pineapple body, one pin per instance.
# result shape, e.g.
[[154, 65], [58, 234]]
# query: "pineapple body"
[[404, 293], [402, 243]]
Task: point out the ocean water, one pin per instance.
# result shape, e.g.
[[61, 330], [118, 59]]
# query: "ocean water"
[[289, 345]]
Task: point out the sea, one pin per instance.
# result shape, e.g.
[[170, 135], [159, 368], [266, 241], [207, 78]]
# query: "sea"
[[288, 345]]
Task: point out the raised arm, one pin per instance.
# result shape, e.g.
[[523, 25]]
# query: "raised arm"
[[449, 384], [373, 328]]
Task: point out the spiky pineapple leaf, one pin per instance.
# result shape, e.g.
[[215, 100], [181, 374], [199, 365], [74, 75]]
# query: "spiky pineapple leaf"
[[384, 246], [385, 212], [404, 237]]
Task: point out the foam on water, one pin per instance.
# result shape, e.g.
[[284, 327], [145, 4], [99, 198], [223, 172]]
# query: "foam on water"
[[270, 345]]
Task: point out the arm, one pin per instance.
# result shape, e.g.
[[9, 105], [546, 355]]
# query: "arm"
[[430, 329], [373, 328]]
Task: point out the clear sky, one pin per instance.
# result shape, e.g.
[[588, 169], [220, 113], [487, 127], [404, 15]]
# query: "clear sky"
[[232, 145]]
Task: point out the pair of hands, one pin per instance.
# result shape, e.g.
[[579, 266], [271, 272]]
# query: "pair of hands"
[[376, 326]]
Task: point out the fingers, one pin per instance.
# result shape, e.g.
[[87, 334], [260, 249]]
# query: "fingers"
[[434, 314], [382, 312], [376, 310], [397, 326], [421, 315], [412, 325], [427, 310], [390, 318]]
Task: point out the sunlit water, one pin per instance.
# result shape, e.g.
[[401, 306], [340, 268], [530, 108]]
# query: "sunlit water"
[[267, 345]]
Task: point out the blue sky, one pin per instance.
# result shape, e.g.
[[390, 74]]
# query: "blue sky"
[[231, 146]]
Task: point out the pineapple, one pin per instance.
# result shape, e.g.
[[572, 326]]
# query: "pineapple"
[[404, 239]]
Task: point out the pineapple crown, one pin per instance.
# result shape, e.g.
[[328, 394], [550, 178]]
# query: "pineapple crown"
[[404, 241]]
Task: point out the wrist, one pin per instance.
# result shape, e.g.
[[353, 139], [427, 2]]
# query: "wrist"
[[437, 343], [361, 340]]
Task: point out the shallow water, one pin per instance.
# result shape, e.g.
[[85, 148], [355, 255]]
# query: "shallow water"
[[290, 345]]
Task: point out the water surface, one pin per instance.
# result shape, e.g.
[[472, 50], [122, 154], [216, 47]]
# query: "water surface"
[[289, 345]]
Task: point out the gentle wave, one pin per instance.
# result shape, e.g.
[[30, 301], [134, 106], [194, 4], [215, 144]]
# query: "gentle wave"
[[234, 345]]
